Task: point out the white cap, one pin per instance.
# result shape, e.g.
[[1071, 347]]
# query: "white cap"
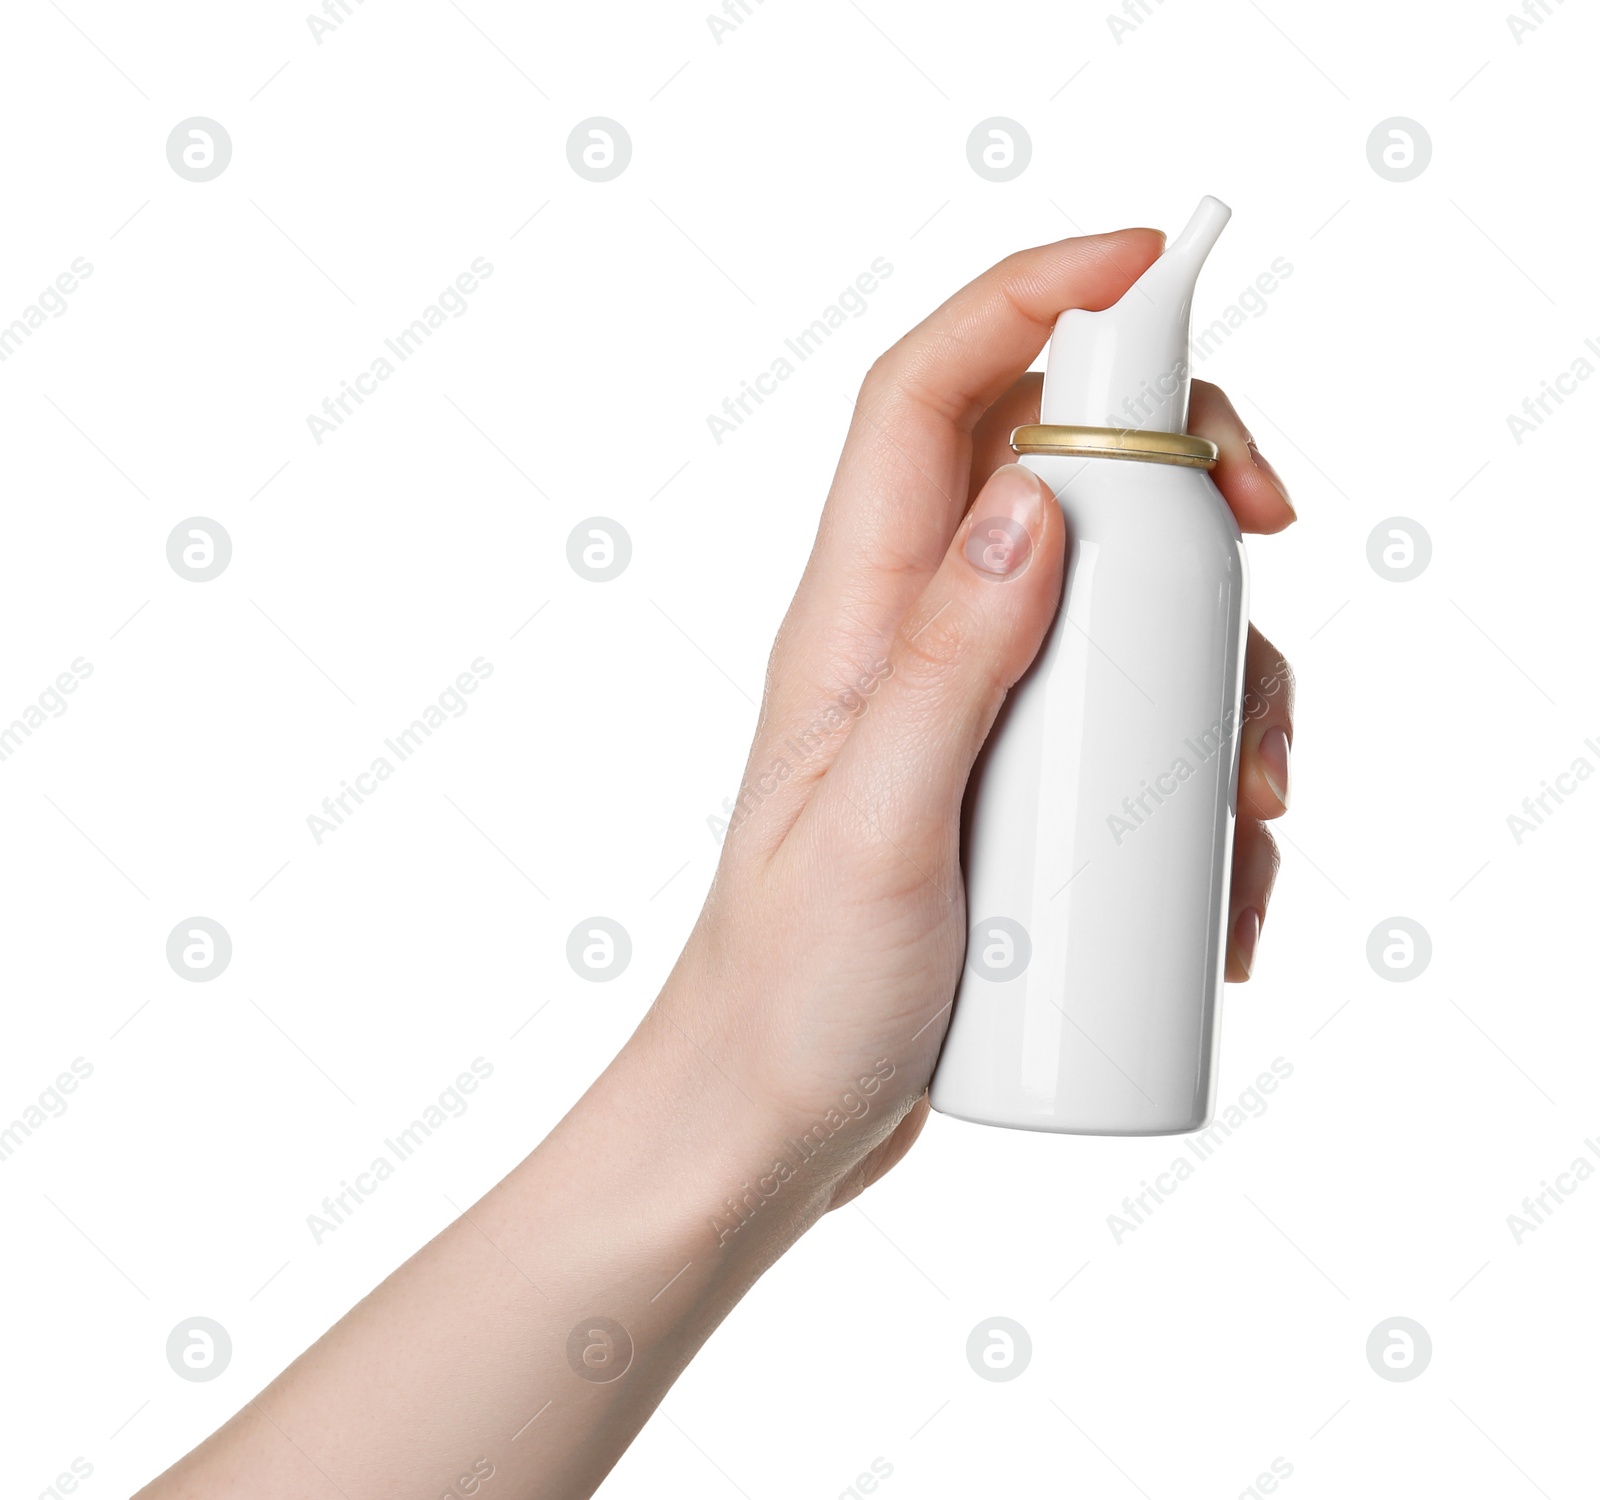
[[1128, 367]]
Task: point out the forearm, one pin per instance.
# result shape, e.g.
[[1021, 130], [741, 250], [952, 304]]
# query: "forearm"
[[537, 1333]]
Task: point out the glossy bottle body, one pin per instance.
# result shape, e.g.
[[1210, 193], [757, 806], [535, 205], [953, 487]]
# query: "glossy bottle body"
[[1099, 836]]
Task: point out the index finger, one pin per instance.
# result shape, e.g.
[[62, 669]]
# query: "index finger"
[[964, 354], [901, 486]]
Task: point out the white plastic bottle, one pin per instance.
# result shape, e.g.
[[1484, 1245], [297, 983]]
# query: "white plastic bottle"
[[1099, 838]]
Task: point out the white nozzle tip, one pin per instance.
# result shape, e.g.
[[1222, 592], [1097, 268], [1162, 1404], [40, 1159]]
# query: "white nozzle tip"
[[1128, 365], [1204, 226]]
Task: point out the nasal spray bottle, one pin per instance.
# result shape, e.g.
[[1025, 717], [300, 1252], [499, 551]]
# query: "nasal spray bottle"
[[1099, 834]]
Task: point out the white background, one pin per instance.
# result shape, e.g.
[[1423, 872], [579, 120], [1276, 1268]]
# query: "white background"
[[430, 530]]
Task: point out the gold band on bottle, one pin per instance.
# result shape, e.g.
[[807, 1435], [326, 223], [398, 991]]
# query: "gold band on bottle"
[[1117, 442]]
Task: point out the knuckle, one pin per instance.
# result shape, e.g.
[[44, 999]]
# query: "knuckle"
[[878, 375], [1271, 855], [908, 383], [1260, 858], [932, 641], [885, 377], [1269, 692]]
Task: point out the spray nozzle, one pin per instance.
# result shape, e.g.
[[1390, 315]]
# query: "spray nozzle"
[[1128, 366]]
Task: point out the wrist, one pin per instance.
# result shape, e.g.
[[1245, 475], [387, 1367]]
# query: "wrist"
[[762, 1133], [728, 1169]]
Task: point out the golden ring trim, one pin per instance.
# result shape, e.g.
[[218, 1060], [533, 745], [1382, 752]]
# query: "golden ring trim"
[[1117, 442]]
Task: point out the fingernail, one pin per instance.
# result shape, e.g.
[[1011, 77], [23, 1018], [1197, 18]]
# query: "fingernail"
[[1274, 753], [1246, 934], [1004, 516], [1266, 468]]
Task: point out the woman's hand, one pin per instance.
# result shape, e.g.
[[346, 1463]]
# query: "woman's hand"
[[785, 1063], [828, 952]]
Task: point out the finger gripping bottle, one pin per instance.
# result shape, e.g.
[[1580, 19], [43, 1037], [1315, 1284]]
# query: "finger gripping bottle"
[[1098, 835]]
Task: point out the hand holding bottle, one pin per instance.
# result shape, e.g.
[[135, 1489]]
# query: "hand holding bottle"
[[785, 1064], [835, 933]]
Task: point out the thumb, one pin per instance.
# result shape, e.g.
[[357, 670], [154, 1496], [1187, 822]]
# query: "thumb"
[[970, 635]]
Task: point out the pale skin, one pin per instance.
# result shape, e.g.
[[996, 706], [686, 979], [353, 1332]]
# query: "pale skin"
[[812, 996]]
